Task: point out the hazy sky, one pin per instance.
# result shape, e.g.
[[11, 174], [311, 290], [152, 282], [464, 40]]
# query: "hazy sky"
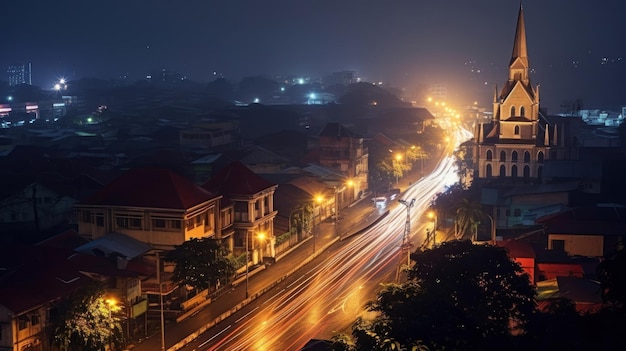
[[577, 48]]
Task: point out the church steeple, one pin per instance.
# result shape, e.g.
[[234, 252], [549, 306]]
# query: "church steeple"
[[519, 44], [518, 67]]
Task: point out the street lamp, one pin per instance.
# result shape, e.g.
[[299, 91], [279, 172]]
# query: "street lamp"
[[260, 235], [433, 216], [247, 262], [318, 200], [398, 158]]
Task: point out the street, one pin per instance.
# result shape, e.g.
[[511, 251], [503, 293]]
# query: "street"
[[306, 295]]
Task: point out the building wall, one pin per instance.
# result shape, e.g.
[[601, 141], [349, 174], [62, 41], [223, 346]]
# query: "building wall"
[[578, 245]]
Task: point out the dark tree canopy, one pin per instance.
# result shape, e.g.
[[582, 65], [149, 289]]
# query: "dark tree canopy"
[[459, 296], [200, 263]]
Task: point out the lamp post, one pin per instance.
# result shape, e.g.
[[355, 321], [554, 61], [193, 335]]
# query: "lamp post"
[[336, 211], [318, 199], [158, 272], [398, 158], [433, 216], [247, 263]]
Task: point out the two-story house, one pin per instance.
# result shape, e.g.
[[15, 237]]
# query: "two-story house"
[[154, 206], [252, 200], [344, 151]]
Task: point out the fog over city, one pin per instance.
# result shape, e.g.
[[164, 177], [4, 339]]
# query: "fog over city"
[[575, 47]]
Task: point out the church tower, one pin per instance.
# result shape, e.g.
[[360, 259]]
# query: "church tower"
[[514, 143]]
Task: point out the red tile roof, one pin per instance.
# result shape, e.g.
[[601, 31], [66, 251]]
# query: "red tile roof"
[[36, 275], [152, 188], [237, 179]]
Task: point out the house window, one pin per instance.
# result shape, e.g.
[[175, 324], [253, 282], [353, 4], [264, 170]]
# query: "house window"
[[22, 322], [526, 156], [122, 222], [128, 222], [85, 216], [517, 212], [502, 156], [514, 156], [512, 111], [34, 319], [522, 111], [558, 245], [158, 223], [502, 171], [175, 224], [99, 220], [516, 130], [489, 155], [540, 157]]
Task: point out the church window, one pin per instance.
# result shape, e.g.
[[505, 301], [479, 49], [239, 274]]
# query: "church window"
[[502, 171], [526, 156], [540, 157], [512, 111], [502, 156], [516, 130], [522, 111], [514, 156], [489, 172], [540, 172], [526, 172], [514, 171], [489, 155]]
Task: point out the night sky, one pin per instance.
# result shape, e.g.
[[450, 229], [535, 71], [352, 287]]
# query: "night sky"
[[577, 48]]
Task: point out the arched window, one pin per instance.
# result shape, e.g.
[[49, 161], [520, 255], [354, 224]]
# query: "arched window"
[[540, 172], [489, 172], [516, 130], [502, 156], [522, 111], [512, 111], [526, 172], [526, 156], [514, 171], [489, 155], [502, 171], [540, 157], [514, 156]]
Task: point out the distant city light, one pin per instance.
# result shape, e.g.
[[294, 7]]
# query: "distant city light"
[[300, 81], [9, 98], [256, 100]]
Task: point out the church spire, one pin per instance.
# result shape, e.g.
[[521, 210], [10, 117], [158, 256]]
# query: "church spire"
[[518, 67], [519, 45]]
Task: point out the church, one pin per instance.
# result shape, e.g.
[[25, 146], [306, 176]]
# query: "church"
[[518, 139]]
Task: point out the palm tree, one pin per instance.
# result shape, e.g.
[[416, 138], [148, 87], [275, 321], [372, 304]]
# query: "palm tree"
[[468, 216]]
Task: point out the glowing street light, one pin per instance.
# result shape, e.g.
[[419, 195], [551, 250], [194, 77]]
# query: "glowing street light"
[[318, 199], [260, 235], [433, 216]]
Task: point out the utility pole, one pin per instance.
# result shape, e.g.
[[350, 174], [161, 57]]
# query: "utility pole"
[[406, 240]]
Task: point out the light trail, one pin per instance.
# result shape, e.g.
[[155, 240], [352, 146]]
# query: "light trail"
[[328, 298]]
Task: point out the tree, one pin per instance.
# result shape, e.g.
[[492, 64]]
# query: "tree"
[[468, 216], [201, 263], [459, 296], [86, 321], [612, 276]]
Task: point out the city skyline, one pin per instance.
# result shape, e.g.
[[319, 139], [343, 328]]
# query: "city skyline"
[[574, 47]]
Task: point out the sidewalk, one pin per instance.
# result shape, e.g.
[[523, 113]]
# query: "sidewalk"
[[354, 219]]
